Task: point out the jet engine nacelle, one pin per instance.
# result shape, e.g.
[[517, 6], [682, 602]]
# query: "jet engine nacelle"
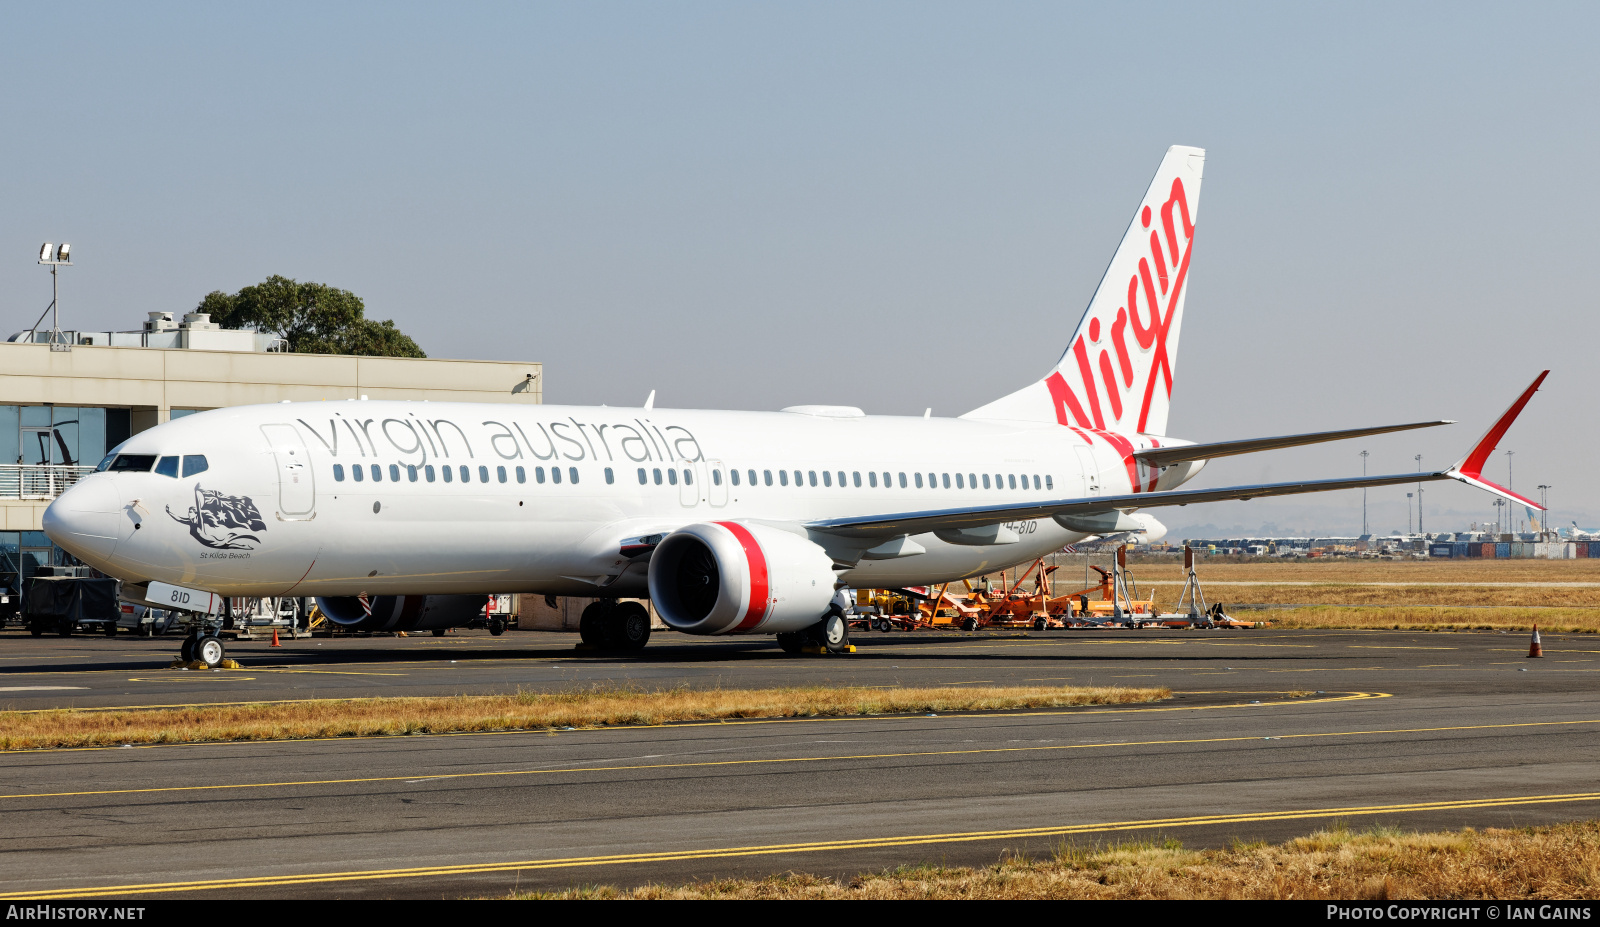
[[729, 577], [402, 612]]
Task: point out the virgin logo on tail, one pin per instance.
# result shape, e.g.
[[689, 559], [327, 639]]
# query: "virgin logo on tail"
[[1108, 365]]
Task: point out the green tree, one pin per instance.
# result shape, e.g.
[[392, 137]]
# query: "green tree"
[[313, 318]]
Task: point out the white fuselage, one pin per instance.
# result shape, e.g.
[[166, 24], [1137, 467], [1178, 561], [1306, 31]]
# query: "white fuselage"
[[278, 509]]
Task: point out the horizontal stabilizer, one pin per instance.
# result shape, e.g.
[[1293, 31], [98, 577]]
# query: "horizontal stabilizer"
[[1163, 456]]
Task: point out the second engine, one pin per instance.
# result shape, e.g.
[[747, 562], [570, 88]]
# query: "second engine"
[[402, 612], [729, 577]]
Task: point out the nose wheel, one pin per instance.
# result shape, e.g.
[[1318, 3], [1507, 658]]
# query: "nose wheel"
[[203, 649]]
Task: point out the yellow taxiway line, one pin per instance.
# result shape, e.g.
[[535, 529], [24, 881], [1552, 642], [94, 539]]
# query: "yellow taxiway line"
[[864, 843]]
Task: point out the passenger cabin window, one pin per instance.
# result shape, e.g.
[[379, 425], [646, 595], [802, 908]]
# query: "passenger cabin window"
[[734, 475], [644, 479], [903, 481], [1013, 481], [672, 476], [797, 480], [986, 481], [959, 482], [946, 480], [1036, 481], [394, 473], [538, 474], [133, 463], [767, 474], [357, 471], [919, 480], [338, 473], [827, 479], [555, 474], [572, 474], [411, 472], [449, 473], [1049, 481], [500, 474], [168, 466], [483, 474], [194, 463], [377, 473], [428, 473], [783, 477], [610, 477], [658, 476], [872, 479], [972, 480], [466, 475], [841, 478], [688, 477]]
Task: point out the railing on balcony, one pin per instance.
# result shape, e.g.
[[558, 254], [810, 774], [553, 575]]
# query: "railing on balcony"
[[38, 481]]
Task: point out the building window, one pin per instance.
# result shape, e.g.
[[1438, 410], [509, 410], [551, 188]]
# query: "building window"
[[338, 473], [500, 472], [610, 477], [194, 463], [411, 472]]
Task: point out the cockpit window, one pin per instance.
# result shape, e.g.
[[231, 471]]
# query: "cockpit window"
[[168, 466], [130, 463], [194, 463], [106, 463]]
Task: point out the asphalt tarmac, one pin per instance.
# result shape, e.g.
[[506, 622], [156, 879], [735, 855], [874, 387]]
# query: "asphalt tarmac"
[[1270, 734]]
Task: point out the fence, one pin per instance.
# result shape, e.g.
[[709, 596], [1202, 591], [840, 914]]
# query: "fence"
[[38, 481]]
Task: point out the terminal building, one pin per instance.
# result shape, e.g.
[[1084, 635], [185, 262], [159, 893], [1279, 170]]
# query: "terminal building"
[[69, 397]]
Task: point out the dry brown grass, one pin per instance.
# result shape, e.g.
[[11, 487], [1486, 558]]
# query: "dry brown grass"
[[1561, 862], [1348, 570], [524, 711], [1570, 620]]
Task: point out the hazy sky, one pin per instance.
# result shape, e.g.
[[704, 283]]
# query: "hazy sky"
[[891, 205]]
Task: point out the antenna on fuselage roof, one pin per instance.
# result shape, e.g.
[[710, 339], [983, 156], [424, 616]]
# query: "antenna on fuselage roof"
[[650, 401]]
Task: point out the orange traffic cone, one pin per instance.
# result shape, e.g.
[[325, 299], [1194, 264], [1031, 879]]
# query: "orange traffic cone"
[[275, 639], [1534, 650]]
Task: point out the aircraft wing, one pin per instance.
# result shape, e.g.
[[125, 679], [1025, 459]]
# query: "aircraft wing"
[[1468, 470], [1162, 456]]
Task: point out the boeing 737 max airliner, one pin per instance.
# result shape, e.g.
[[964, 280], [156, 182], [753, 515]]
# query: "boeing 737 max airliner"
[[403, 515]]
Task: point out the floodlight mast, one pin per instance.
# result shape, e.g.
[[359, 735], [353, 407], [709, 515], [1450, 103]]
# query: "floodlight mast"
[[56, 258]]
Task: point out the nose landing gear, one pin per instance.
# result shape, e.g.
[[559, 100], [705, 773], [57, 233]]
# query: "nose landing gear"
[[203, 648]]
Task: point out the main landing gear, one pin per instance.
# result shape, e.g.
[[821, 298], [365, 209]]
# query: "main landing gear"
[[831, 634], [612, 625]]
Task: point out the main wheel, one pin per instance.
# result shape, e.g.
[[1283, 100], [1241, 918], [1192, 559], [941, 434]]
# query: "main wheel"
[[791, 641], [209, 650], [497, 627], [592, 624], [630, 626], [835, 632], [438, 632], [186, 650]]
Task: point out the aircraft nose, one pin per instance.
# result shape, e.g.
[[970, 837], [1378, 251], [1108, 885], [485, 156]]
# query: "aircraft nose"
[[84, 520]]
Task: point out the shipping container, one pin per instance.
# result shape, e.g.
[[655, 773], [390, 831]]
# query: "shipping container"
[[1487, 548], [1439, 550], [1521, 549], [1502, 550], [1459, 549], [1580, 549]]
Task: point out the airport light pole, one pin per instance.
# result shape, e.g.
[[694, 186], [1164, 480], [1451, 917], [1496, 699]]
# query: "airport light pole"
[[1511, 483], [1419, 496], [56, 258], [1364, 531], [1544, 502], [1408, 513]]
